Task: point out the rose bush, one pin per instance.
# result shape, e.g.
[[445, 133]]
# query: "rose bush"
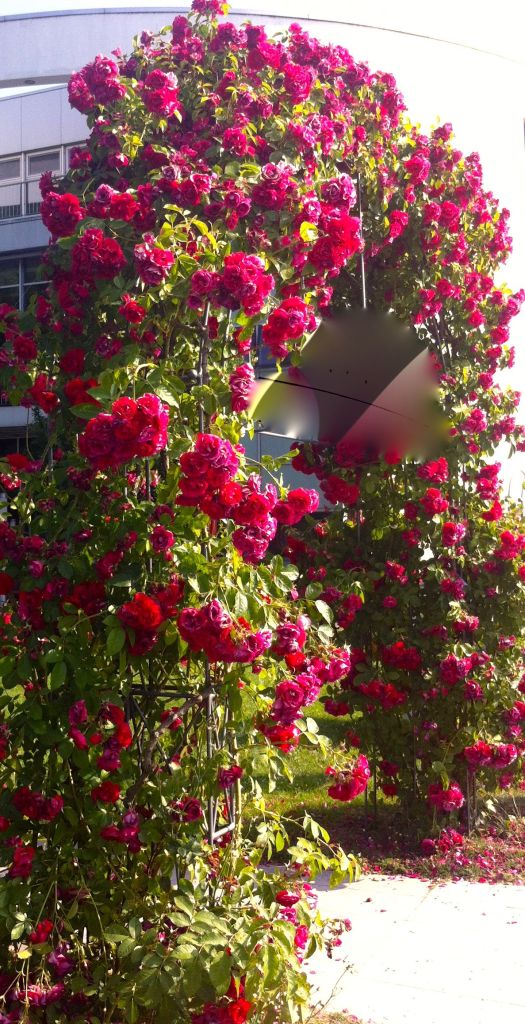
[[155, 655], [419, 564], [216, 193]]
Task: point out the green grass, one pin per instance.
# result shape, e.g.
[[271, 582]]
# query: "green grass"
[[386, 839], [337, 1018], [308, 792]]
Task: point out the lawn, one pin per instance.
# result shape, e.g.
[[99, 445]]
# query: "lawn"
[[384, 841], [335, 1018]]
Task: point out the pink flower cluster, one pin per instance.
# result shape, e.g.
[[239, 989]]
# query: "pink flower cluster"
[[153, 264], [160, 93], [291, 695], [486, 755], [126, 833], [208, 483], [445, 799], [144, 614], [97, 83], [96, 255], [211, 630], [133, 429], [241, 387], [243, 284], [61, 213], [35, 806], [350, 782], [288, 322]]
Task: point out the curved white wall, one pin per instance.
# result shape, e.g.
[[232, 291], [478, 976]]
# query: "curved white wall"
[[468, 73]]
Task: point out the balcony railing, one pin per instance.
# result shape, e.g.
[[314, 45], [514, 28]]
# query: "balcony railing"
[[11, 204], [22, 199]]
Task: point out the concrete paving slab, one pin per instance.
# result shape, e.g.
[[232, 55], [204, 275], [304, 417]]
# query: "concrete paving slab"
[[418, 953]]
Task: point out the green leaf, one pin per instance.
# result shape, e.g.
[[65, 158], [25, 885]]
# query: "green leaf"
[[205, 919], [240, 605], [116, 639], [326, 633], [114, 936], [220, 973], [324, 610], [126, 947], [279, 842], [58, 675], [271, 967], [193, 977], [65, 569], [308, 231], [166, 396], [85, 412]]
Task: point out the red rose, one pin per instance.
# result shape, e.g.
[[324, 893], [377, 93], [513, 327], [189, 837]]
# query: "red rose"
[[25, 347], [285, 898], [76, 391], [131, 429], [72, 362], [41, 394], [23, 857], [295, 506], [61, 213], [131, 310], [298, 81], [106, 793], [96, 255], [42, 932], [141, 614], [7, 583], [160, 93], [122, 206], [187, 810], [153, 264]]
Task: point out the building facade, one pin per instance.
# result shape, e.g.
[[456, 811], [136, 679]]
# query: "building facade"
[[464, 67]]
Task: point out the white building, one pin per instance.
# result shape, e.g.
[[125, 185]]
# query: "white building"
[[459, 61]]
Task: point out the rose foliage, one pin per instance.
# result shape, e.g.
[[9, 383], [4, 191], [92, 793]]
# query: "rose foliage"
[[216, 193], [419, 566], [146, 613]]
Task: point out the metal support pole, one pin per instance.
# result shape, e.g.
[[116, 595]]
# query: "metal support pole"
[[362, 256], [210, 700]]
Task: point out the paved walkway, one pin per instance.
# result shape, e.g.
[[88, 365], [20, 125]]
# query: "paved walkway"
[[420, 954]]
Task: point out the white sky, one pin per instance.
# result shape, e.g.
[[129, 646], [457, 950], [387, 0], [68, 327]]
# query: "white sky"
[[35, 6]]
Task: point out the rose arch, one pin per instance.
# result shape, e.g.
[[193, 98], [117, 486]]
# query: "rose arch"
[[158, 655]]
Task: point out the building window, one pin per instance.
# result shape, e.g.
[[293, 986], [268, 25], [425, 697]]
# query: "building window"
[[20, 278], [10, 188], [20, 175], [10, 168], [10, 282], [37, 163]]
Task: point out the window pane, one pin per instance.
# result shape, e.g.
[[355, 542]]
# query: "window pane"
[[32, 289], [33, 269], [33, 197], [10, 168], [37, 163], [9, 270], [9, 445], [11, 296], [10, 201]]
